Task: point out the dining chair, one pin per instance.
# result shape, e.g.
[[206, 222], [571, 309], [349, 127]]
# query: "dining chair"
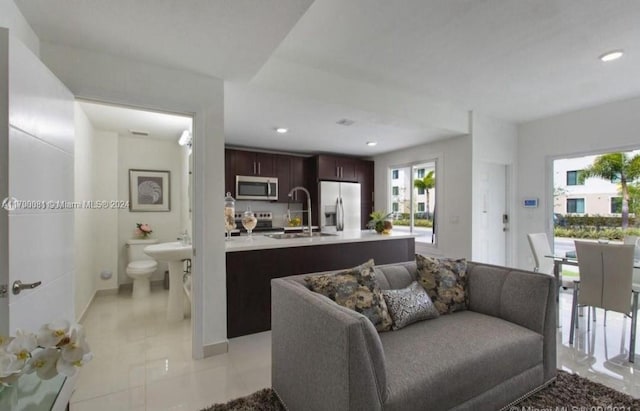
[[606, 272], [540, 247], [633, 240]]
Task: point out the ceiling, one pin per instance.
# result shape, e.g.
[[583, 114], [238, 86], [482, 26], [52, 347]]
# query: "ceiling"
[[122, 120], [513, 60]]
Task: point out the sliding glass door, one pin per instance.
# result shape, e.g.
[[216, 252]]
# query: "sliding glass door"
[[413, 200]]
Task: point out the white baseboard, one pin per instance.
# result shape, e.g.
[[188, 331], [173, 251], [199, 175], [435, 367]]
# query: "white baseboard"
[[215, 349], [86, 308]]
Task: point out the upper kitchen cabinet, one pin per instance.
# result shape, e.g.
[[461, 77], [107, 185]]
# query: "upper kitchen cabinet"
[[336, 168], [250, 163], [291, 172], [364, 176], [229, 172]]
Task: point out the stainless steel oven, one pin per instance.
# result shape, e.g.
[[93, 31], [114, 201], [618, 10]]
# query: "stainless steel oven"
[[256, 188]]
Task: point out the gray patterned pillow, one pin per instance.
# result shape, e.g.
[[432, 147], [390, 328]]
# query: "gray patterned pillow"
[[356, 289], [445, 280], [409, 305]]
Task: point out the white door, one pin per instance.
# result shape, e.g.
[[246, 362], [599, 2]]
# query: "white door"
[[494, 219], [36, 174]]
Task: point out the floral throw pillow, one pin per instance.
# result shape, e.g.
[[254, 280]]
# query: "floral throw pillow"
[[445, 280], [409, 305], [356, 289]]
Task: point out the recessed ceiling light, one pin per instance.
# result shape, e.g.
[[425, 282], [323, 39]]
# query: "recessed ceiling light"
[[372, 143], [611, 55], [281, 130]]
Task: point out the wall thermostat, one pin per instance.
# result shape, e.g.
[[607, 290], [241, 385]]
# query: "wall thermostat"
[[530, 202]]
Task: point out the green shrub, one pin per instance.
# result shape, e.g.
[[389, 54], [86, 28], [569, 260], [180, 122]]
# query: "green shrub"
[[417, 223], [595, 221], [594, 234]]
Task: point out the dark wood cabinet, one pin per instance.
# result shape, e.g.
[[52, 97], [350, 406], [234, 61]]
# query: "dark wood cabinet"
[[365, 176], [336, 168], [249, 274], [297, 177], [229, 172], [250, 163]]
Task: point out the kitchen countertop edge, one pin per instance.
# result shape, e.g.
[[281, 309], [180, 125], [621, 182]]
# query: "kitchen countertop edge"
[[261, 242]]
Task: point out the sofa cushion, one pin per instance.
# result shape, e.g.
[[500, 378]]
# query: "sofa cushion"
[[356, 289], [445, 280], [440, 363], [408, 305]]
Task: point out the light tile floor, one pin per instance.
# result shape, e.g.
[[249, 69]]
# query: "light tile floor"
[[602, 353], [144, 363]]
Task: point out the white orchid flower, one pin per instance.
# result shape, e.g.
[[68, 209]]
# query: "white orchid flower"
[[22, 346], [4, 341], [50, 335], [44, 363], [76, 351], [9, 365]]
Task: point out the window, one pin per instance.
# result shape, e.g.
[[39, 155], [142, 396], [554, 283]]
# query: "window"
[[573, 178], [616, 205], [406, 199], [575, 205]]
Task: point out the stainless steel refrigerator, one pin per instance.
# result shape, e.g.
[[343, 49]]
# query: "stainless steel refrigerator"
[[339, 206]]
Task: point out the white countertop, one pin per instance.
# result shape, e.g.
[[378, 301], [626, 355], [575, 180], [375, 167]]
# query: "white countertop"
[[261, 242]]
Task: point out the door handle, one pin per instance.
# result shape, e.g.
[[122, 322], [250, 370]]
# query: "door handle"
[[18, 286], [254, 168], [259, 173]]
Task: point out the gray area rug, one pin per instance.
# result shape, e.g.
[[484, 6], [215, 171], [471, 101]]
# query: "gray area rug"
[[570, 391]]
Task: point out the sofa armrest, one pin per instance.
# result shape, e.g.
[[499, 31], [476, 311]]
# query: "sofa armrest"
[[521, 297], [324, 357]]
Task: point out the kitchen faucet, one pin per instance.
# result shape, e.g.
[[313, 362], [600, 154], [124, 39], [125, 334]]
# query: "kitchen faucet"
[[294, 189]]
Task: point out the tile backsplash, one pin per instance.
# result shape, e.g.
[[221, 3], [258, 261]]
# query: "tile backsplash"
[[279, 210]]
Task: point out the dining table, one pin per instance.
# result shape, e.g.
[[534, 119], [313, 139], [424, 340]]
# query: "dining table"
[[570, 258]]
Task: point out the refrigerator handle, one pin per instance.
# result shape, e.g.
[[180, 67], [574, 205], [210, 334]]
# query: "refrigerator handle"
[[339, 215]]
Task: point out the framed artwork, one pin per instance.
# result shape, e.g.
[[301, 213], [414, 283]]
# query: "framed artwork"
[[149, 190]]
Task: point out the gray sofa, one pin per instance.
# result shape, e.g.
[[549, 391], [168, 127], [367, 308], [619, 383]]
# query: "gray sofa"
[[326, 357]]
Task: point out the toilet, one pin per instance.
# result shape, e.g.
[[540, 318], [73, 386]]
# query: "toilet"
[[140, 266]]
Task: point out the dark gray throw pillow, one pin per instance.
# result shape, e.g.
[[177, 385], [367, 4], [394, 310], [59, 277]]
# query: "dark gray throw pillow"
[[356, 289], [408, 305]]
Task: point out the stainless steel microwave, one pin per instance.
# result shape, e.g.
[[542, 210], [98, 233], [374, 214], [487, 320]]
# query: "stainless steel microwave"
[[256, 188]]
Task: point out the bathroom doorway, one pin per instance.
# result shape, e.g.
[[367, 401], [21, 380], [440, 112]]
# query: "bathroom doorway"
[[133, 188]]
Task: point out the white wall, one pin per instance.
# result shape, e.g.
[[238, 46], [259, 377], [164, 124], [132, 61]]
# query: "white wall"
[[12, 18], [494, 142], [41, 149], [609, 127], [84, 224], [186, 187], [148, 154], [453, 189], [122, 81], [105, 177]]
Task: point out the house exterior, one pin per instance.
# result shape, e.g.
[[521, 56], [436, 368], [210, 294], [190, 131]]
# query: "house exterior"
[[593, 196]]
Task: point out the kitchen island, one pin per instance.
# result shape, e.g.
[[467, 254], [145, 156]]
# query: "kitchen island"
[[251, 264]]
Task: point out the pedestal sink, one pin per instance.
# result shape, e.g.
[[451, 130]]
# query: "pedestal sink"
[[174, 254]]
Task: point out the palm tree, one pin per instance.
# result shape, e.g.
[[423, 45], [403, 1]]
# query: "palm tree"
[[614, 166], [426, 183]]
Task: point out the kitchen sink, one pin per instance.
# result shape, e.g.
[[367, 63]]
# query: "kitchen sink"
[[288, 236], [316, 234], [283, 236]]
